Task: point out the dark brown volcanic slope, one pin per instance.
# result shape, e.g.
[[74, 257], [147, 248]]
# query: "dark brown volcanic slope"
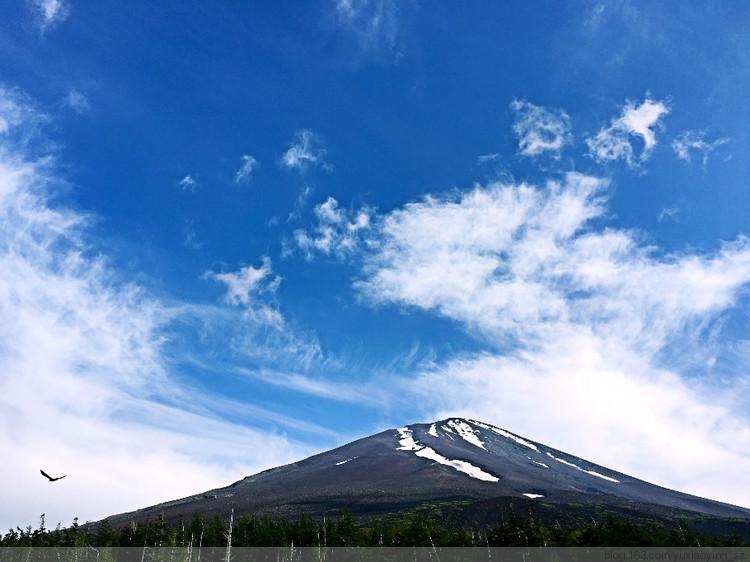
[[452, 460]]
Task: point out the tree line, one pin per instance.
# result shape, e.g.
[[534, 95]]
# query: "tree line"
[[412, 529]]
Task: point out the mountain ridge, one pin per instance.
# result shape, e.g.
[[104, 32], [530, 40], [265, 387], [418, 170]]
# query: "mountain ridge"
[[453, 460]]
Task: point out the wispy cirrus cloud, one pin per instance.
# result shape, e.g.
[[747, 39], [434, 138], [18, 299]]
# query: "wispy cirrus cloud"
[[573, 314], [50, 13], [485, 158], [338, 231], [20, 124], [244, 174], [359, 393], [76, 101], [242, 284], [86, 357], [614, 142], [373, 25], [668, 213], [190, 239], [246, 286], [540, 129], [188, 183], [306, 150], [689, 141]]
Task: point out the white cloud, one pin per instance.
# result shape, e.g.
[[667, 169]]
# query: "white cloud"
[[540, 129], [614, 142], [372, 24], [449, 255], [242, 285], [694, 140], [668, 213], [246, 286], [77, 102], [16, 110], [300, 203], [86, 382], [337, 231], [368, 394], [51, 13], [188, 183], [578, 323], [191, 237], [595, 19], [484, 158], [305, 151], [244, 174], [224, 338]]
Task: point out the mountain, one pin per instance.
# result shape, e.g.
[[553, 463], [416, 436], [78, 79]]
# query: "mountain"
[[474, 470]]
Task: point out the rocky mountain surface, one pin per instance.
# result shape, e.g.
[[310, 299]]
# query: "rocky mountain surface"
[[474, 470]]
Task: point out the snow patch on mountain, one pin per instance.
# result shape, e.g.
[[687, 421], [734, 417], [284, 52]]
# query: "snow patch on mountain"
[[591, 472], [461, 466], [537, 462], [507, 434], [408, 443], [346, 461], [533, 496], [448, 432], [465, 431]]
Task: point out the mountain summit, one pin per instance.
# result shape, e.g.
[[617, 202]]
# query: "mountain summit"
[[483, 467]]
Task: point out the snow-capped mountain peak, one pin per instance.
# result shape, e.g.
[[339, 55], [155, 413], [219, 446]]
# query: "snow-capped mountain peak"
[[455, 459], [479, 434]]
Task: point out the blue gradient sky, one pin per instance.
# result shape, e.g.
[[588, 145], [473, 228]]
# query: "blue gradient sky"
[[236, 235]]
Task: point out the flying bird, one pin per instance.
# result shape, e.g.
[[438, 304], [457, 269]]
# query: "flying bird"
[[48, 477]]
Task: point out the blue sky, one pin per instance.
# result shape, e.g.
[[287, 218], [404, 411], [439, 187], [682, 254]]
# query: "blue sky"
[[236, 235]]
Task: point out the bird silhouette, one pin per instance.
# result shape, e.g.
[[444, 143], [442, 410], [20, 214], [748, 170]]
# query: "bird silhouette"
[[48, 477]]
